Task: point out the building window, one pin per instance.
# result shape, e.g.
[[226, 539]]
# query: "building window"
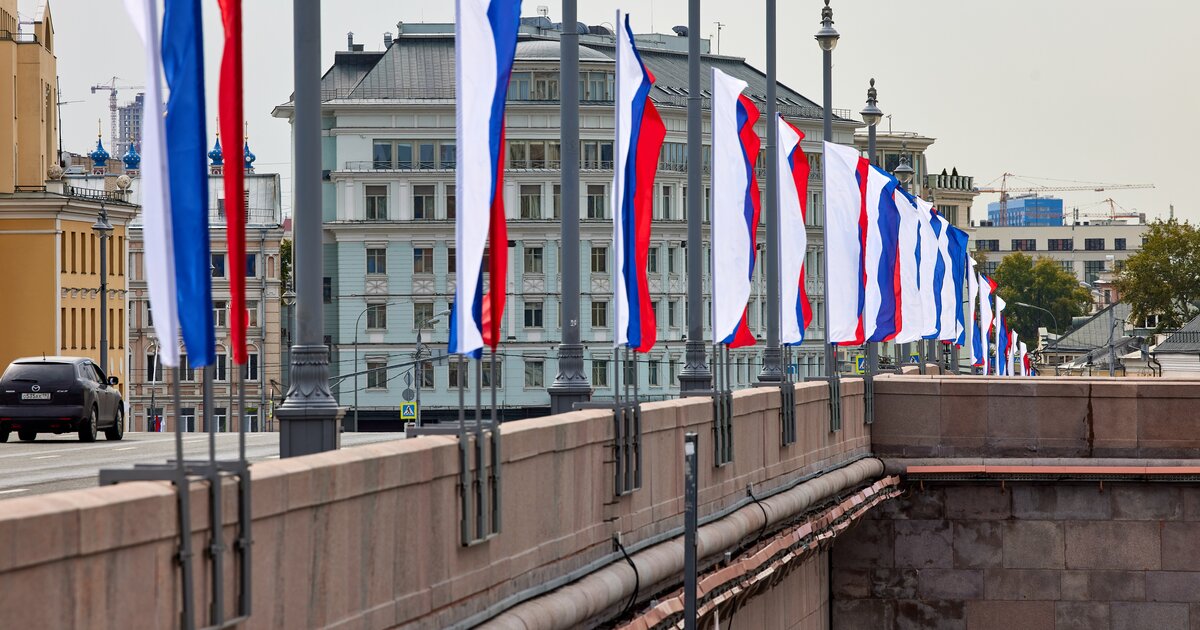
[[652, 260], [672, 370], [533, 314], [672, 309], [531, 201], [250, 370], [1093, 244], [1061, 244], [487, 373], [1024, 244], [377, 374], [987, 245], [185, 369], [422, 313], [381, 154], [652, 373], [252, 313], [989, 269], [327, 290], [451, 202], [376, 260], [628, 375], [599, 314], [427, 375], [1092, 270], [458, 373], [556, 201], [671, 264], [222, 364], [426, 155], [404, 155], [423, 198], [667, 210], [599, 259], [451, 260], [1119, 244], [533, 260], [219, 314], [597, 201], [376, 203], [154, 371], [600, 372], [535, 373], [216, 263], [376, 316], [251, 265], [1067, 266], [422, 260]]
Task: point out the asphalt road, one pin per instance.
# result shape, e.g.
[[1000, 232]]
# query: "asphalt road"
[[62, 462]]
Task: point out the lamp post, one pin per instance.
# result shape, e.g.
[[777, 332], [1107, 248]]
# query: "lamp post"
[[289, 304], [827, 39], [904, 174], [695, 375], [1046, 311], [357, 325], [436, 317], [772, 369], [871, 114], [103, 229]]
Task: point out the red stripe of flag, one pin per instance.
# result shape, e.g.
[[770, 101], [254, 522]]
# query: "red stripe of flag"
[[649, 145], [493, 301], [230, 108]]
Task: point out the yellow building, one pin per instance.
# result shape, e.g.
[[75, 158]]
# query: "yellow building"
[[49, 255]]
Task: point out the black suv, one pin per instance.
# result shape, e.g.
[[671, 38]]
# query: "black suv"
[[59, 395]]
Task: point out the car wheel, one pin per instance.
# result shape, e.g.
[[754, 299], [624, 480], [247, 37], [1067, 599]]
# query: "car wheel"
[[117, 430], [87, 429], [26, 435]]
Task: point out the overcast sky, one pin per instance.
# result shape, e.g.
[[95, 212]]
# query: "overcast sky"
[[1086, 90]]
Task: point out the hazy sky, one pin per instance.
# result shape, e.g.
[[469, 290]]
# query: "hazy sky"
[[1089, 90]]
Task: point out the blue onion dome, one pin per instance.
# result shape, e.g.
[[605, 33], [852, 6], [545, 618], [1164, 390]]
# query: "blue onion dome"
[[249, 157], [215, 155], [99, 155], [132, 159]]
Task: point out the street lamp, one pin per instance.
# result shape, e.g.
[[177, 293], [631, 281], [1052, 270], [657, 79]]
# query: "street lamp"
[[103, 229], [357, 323], [289, 303], [871, 114], [436, 317], [827, 39], [1046, 311], [904, 172]]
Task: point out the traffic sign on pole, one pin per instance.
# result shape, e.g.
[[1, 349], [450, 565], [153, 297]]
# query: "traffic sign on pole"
[[408, 411]]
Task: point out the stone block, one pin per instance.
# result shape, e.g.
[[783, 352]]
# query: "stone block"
[[1021, 584], [923, 544], [977, 502], [1110, 586], [1033, 545], [868, 545], [1128, 545], [1081, 615], [1073, 585], [862, 613], [1149, 615], [1191, 502], [894, 583], [1180, 548], [952, 584], [1003, 615], [850, 583], [1146, 502], [978, 544], [1172, 586], [929, 615], [1061, 502]]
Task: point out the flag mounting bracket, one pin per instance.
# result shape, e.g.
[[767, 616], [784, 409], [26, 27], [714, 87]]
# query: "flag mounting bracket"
[[627, 426]]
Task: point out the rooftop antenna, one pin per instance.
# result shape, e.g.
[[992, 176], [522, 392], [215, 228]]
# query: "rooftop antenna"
[[1172, 206], [720, 25], [543, 10]]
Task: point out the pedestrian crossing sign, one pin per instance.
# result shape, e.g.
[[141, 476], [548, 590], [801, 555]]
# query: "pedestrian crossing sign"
[[914, 358], [860, 364], [408, 411]]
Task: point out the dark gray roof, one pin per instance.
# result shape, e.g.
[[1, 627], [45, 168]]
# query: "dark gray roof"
[[421, 67], [1094, 332], [1186, 340]]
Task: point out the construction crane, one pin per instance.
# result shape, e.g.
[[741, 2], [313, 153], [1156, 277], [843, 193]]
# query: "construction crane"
[[1110, 214], [1062, 185], [112, 89]]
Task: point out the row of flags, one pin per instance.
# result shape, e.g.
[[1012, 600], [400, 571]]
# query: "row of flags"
[[897, 269], [175, 180]]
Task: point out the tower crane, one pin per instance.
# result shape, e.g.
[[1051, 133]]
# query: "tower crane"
[[112, 89], [1062, 185]]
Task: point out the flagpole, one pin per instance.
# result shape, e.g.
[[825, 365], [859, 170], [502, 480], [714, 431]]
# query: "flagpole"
[[695, 375], [827, 37], [309, 414], [772, 371], [571, 383]]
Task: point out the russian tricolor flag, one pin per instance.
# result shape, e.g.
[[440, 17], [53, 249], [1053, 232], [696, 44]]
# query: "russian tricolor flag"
[[972, 300], [796, 310], [987, 287], [846, 173], [159, 262], [1002, 350], [639, 137], [957, 247], [485, 43], [913, 235], [882, 295], [735, 208], [930, 260]]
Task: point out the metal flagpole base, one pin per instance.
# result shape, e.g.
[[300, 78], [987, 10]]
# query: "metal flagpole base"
[[771, 372], [570, 387], [309, 416], [695, 377]]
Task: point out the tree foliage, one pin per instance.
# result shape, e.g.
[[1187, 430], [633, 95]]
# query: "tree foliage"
[[285, 266], [1164, 277], [1041, 282]]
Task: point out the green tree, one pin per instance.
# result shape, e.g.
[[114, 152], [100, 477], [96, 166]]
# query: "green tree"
[[285, 266], [1163, 278], [1042, 283]]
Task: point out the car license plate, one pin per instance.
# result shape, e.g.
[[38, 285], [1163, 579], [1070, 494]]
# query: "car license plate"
[[35, 396]]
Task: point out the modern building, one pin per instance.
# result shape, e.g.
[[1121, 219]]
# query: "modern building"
[[1026, 211], [148, 392], [389, 208], [1084, 250], [49, 250], [129, 124]]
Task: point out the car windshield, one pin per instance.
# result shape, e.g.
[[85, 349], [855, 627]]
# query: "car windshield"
[[48, 374]]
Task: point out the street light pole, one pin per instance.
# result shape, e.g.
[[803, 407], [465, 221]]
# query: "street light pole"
[[827, 38], [570, 385], [103, 228], [309, 415], [871, 114], [772, 369], [904, 174], [420, 368], [695, 375]]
